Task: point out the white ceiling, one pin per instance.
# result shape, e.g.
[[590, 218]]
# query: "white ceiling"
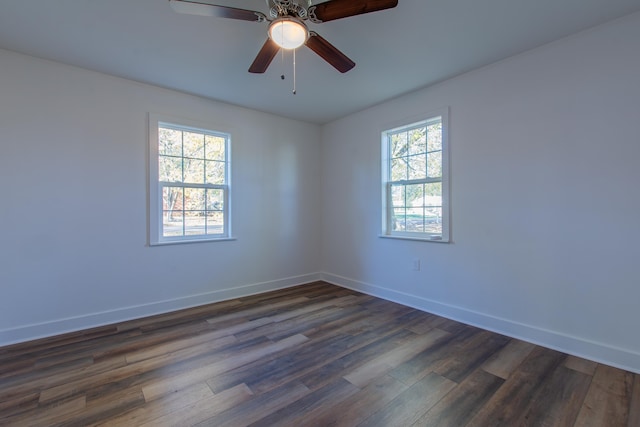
[[419, 43]]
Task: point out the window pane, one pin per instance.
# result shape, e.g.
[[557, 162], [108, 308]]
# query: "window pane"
[[172, 222], [194, 171], [170, 169], [215, 223], [398, 221], [418, 167], [435, 164], [214, 149], [169, 142], [433, 194], [171, 198], [215, 172], [433, 220], [397, 195], [418, 141], [399, 169], [193, 145], [434, 137], [215, 200], [194, 223], [415, 219], [194, 199], [415, 195], [398, 144]]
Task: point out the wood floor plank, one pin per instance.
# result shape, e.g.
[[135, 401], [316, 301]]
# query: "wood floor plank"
[[273, 370], [311, 408], [463, 402], [106, 407], [581, 365], [634, 405], [300, 324], [169, 363], [312, 307], [310, 355], [558, 402], [48, 415], [345, 324], [427, 323], [608, 399], [259, 407], [363, 374], [37, 370], [425, 362], [503, 363], [339, 367], [132, 340], [310, 291], [10, 367], [52, 345], [305, 362], [203, 409], [259, 311], [412, 404], [182, 349], [161, 407], [507, 405], [18, 404], [161, 321], [470, 355], [80, 386], [376, 305], [291, 322], [117, 344], [51, 378], [358, 407], [176, 383], [330, 354]]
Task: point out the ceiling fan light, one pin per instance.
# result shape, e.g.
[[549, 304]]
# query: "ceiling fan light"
[[288, 33]]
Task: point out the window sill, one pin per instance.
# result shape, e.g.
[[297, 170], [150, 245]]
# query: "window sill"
[[182, 242], [417, 239]]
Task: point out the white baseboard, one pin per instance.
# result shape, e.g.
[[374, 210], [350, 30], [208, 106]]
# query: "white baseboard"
[[598, 352], [73, 324]]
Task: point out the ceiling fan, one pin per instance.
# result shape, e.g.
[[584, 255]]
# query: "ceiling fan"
[[287, 28]]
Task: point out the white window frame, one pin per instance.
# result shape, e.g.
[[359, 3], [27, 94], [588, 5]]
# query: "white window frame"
[[387, 205], [156, 186]]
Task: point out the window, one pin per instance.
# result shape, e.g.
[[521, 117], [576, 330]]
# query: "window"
[[415, 180], [189, 183]]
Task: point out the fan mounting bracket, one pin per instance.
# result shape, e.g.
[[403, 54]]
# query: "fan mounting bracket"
[[282, 8]]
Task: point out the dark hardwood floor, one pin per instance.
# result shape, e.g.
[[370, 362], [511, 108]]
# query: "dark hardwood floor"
[[313, 355]]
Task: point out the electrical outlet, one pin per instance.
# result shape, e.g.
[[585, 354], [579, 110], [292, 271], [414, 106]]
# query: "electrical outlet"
[[416, 265]]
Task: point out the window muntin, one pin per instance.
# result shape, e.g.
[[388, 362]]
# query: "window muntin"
[[190, 180], [415, 180]]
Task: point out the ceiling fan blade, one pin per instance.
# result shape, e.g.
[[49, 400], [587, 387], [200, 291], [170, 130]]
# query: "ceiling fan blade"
[[265, 56], [205, 9], [329, 53], [336, 9]]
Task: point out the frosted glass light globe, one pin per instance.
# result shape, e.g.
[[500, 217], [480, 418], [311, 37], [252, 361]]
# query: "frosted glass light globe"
[[288, 33]]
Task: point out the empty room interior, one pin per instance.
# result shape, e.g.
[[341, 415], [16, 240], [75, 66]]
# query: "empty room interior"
[[319, 213]]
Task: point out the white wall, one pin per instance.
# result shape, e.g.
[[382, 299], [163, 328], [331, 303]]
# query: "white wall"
[[73, 204], [545, 150]]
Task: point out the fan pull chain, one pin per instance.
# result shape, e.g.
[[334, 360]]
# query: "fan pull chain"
[[294, 71], [281, 52]]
